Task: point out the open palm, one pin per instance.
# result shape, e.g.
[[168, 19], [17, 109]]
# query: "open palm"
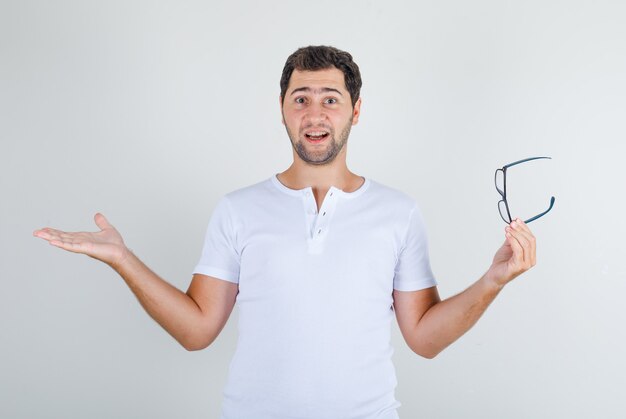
[[106, 245]]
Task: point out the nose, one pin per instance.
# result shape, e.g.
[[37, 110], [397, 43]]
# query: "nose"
[[316, 113]]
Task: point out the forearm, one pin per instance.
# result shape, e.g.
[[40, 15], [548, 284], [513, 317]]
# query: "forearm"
[[174, 310], [429, 325], [449, 319]]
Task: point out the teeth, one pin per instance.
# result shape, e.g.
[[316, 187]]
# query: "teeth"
[[316, 134]]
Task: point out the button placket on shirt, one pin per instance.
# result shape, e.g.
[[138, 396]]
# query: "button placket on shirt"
[[318, 222]]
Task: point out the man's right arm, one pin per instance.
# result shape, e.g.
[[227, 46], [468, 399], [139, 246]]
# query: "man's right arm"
[[194, 318]]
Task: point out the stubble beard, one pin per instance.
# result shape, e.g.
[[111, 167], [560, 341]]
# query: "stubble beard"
[[322, 156]]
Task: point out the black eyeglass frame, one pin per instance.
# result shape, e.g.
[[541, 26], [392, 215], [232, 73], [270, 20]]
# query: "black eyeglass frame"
[[503, 192]]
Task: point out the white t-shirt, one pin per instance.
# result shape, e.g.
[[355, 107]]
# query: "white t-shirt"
[[315, 296]]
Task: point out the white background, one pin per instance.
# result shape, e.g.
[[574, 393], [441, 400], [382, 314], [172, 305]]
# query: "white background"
[[151, 111]]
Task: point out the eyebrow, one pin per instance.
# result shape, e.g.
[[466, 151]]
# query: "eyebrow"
[[308, 89]]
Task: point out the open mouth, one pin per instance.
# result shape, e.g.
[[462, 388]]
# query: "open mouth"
[[316, 137]]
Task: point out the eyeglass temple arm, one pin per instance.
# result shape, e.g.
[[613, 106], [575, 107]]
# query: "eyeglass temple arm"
[[524, 160], [543, 213]]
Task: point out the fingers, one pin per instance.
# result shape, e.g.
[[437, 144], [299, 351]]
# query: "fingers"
[[102, 222], [71, 245], [52, 234], [74, 242], [524, 238], [529, 236], [520, 241], [49, 234], [516, 248]]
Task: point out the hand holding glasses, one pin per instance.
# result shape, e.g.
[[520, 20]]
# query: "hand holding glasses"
[[503, 205]]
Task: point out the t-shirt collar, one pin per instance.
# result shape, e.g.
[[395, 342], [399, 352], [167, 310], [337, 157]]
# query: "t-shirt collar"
[[303, 191]]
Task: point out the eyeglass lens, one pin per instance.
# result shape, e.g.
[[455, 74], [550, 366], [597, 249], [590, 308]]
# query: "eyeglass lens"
[[500, 181], [504, 212]]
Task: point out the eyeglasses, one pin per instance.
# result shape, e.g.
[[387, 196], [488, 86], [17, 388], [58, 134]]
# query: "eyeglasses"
[[503, 205]]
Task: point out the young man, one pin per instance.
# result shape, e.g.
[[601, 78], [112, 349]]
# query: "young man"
[[318, 260]]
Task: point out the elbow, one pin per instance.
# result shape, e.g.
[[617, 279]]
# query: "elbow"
[[428, 352], [193, 347], [198, 339], [428, 355], [195, 344]]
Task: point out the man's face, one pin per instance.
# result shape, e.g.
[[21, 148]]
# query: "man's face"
[[318, 114]]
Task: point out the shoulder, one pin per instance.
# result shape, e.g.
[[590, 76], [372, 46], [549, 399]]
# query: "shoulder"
[[236, 205], [250, 193], [391, 197]]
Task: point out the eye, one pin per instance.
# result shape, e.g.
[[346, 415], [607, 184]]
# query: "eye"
[[331, 100], [300, 100]]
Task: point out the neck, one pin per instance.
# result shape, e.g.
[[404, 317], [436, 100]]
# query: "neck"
[[301, 175]]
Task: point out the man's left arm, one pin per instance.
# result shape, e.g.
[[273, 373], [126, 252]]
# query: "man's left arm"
[[429, 325]]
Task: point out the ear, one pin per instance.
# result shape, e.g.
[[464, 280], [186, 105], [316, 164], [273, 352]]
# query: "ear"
[[356, 112], [280, 103]]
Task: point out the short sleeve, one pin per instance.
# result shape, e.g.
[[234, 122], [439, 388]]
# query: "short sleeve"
[[220, 257], [413, 270]]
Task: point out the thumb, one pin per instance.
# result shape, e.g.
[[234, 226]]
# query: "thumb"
[[101, 221]]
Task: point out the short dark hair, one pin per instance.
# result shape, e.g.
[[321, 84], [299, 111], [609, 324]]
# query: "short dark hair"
[[322, 57]]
